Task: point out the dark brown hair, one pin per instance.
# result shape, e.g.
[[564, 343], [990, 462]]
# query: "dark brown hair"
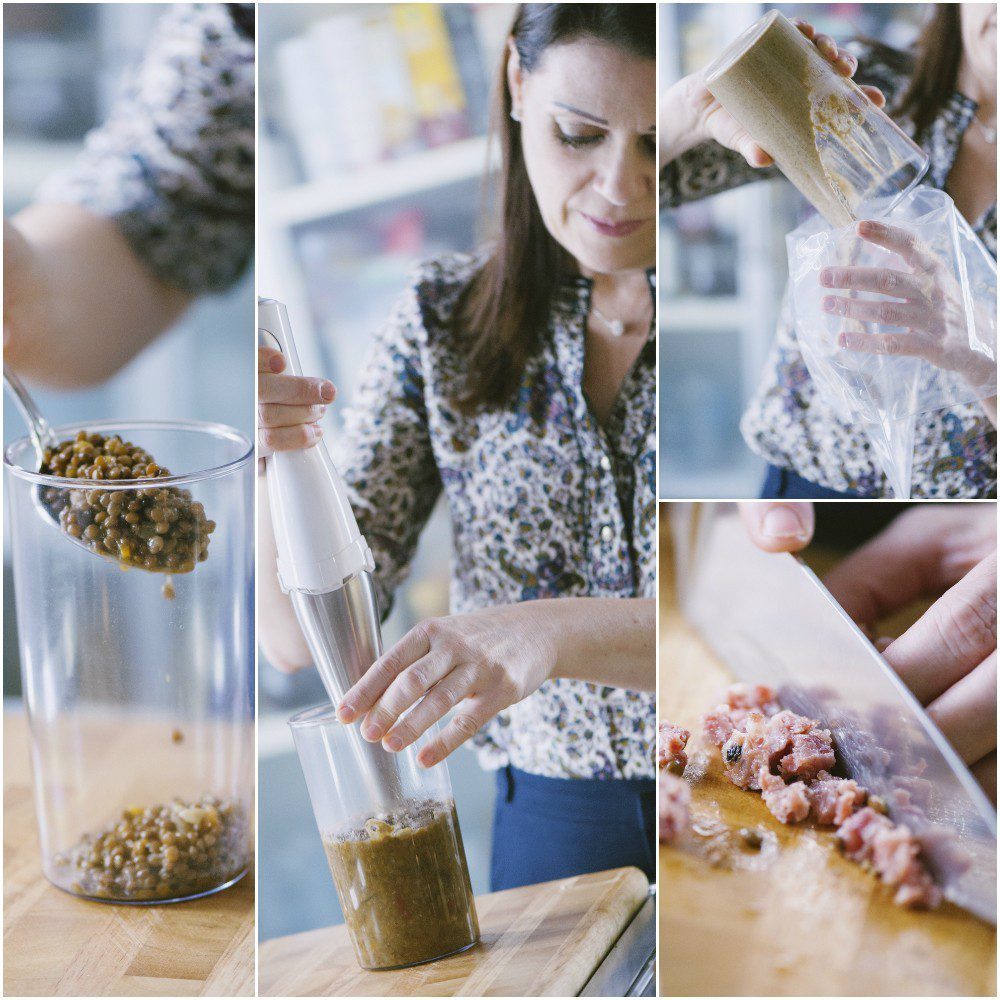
[[504, 310], [938, 51]]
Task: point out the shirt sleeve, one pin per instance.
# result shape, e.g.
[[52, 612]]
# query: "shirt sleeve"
[[384, 452], [173, 164], [705, 170]]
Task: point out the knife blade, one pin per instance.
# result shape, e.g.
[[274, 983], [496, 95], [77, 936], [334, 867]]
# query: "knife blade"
[[771, 620]]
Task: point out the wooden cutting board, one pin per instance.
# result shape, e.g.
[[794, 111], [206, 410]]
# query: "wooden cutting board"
[[795, 918], [58, 945], [540, 940]]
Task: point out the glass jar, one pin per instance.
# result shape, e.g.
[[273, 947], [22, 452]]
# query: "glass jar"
[[138, 687], [392, 841], [843, 153]]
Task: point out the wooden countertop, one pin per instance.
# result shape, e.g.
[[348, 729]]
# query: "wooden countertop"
[[797, 918], [58, 945], [540, 940]]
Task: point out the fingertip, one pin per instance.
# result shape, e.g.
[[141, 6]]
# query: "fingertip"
[[327, 391], [756, 156], [783, 528], [277, 363]]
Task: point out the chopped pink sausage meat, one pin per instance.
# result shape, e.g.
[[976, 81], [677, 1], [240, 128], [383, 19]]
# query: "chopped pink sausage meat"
[[811, 753], [740, 700], [786, 740], [674, 807], [787, 803], [763, 745], [894, 853], [834, 800], [758, 697], [670, 746]]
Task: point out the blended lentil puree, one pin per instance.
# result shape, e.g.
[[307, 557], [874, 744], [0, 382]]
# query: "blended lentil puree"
[[404, 886]]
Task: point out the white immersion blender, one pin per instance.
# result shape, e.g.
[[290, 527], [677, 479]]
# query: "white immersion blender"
[[325, 566]]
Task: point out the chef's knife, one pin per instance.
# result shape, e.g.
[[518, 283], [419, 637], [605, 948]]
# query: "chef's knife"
[[772, 621]]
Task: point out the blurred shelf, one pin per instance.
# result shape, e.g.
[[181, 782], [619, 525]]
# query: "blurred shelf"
[[693, 314], [382, 182]]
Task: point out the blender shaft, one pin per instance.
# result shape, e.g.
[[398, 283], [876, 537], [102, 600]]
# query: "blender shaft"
[[342, 630]]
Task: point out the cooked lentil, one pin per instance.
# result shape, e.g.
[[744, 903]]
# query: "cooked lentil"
[[161, 852], [161, 529]]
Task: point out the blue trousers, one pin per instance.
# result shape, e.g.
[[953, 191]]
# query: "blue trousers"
[[549, 828], [783, 484]]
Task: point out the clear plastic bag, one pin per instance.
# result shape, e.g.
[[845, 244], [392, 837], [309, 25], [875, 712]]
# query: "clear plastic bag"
[[896, 322]]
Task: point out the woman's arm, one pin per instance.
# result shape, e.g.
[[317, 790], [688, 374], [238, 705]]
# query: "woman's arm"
[[487, 660], [78, 303], [158, 207]]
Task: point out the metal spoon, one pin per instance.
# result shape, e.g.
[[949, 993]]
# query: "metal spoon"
[[42, 437], [38, 427]]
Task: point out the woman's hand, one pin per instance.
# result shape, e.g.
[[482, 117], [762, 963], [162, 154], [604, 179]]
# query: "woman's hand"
[[926, 301], [948, 656], [487, 660], [779, 527], [289, 406], [946, 551], [690, 115], [482, 662]]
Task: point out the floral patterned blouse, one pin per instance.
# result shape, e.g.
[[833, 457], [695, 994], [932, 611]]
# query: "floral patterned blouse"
[[544, 502], [173, 165], [787, 422]]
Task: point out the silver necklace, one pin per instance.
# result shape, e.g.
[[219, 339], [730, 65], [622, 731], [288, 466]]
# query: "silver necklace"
[[989, 132], [616, 327]]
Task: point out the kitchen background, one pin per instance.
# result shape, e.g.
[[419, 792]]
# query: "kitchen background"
[[63, 65], [723, 267], [372, 156]]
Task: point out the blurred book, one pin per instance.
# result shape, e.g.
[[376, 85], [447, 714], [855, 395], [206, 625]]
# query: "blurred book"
[[464, 34], [346, 81], [305, 107], [389, 79], [381, 81], [434, 74]]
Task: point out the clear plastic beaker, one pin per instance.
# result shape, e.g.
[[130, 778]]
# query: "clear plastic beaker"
[[139, 689], [393, 843], [843, 153]]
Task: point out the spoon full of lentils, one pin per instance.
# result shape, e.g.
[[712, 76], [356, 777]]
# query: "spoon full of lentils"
[[161, 529]]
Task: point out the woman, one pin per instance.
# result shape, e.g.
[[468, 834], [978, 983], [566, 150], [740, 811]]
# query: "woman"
[[944, 95], [520, 381]]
